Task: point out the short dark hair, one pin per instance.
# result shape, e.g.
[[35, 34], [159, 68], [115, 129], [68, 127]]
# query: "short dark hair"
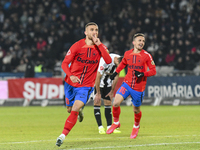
[[138, 34], [90, 23]]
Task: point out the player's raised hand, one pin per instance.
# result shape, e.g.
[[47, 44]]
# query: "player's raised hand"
[[74, 79], [96, 40]]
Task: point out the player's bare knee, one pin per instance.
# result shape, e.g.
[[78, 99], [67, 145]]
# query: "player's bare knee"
[[107, 103], [136, 109], [69, 109], [116, 104], [97, 103]]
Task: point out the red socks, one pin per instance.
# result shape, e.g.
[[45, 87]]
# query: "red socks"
[[70, 122], [137, 118], [116, 112]]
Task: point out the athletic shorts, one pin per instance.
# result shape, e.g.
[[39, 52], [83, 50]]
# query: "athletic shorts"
[[104, 91], [76, 93], [125, 90]]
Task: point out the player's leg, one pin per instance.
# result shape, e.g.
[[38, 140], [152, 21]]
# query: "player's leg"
[[97, 114], [137, 101], [64, 95], [80, 95], [108, 114], [69, 109], [81, 115], [121, 94], [69, 97], [107, 105]]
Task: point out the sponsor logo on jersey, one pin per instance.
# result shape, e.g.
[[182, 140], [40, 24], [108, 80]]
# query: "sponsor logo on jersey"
[[86, 61], [152, 62], [101, 68], [135, 67]]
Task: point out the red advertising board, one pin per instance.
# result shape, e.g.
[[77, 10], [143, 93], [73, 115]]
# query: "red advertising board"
[[35, 88]]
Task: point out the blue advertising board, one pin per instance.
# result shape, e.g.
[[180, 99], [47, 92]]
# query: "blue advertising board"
[[175, 86]]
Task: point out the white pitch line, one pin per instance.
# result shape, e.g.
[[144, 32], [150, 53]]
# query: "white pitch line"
[[27, 142], [142, 145], [89, 139]]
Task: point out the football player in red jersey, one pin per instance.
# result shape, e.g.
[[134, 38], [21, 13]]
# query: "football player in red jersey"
[[137, 61], [84, 57]]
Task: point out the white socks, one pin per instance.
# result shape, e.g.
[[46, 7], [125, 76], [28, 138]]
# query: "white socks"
[[62, 136], [136, 126], [116, 122]]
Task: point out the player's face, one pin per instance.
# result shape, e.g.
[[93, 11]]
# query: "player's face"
[[91, 31], [139, 42]]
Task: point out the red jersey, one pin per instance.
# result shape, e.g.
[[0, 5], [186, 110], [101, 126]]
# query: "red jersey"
[[84, 61], [140, 62]]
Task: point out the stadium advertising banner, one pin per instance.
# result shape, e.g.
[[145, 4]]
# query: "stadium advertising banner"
[[176, 86], [35, 88], [3, 90]]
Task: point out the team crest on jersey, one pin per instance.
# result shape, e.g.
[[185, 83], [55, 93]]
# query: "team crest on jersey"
[[101, 68], [69, 52], [152, 62]]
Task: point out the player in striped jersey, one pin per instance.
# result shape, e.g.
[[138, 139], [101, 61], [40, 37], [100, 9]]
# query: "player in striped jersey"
[[104, 88], [137, 61]]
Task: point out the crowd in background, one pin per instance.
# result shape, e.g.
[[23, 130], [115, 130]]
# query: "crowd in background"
[[40, 32]]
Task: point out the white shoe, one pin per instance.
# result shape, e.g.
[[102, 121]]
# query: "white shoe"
[[59, 141]]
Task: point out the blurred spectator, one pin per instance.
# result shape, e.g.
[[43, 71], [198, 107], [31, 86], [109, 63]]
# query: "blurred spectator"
[[179, 65], [30, 68], [21, 67], [159, 58], [7, 62], [170, 58], [50, 27], [41, 44], [189, 64], [38, 67], [14, 62]]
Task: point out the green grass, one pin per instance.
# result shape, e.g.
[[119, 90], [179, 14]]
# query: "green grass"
[[162, 127]]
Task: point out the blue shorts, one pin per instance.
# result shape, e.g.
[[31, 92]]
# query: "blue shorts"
[[125, 90], [76, 93]]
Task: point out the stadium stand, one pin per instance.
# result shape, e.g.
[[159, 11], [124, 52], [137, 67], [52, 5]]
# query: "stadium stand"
[[42, 30]]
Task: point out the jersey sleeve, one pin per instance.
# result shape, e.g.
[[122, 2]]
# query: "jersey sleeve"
[[104, 53], [152, 67], [68, 58]]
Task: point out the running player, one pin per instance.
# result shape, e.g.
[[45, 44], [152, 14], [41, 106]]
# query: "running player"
[[84, 57], [137, 60]]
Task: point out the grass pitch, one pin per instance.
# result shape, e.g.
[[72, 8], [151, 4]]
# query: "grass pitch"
[[162, 127]]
